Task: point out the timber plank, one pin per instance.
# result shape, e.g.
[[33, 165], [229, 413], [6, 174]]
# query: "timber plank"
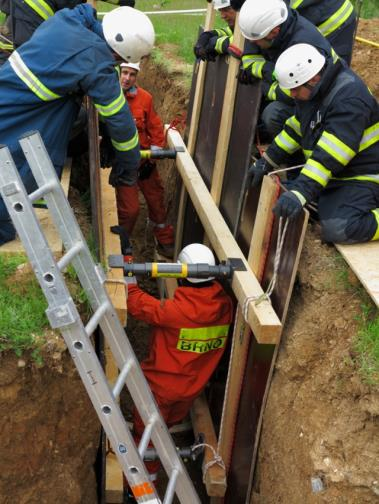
[[363, 259], [46, 222]]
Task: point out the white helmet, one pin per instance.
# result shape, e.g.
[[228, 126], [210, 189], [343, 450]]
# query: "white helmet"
[[129, 32], [131, 65], [258, 17], [297, 65], [197, 253], [220, 4]]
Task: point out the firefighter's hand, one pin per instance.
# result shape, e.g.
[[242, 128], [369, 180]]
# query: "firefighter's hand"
[[289, 204], [245, 76], [257, 171], [210, 51], [146, 169], [107, 153], [201, 44]]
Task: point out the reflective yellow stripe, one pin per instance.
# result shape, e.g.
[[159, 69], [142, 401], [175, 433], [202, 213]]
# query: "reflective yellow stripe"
[[287, 143], [113, 107], [220, 41], [334, 55], [202, 339], [28, 77], [370, 136], [376, 215], [294, 4], [366, 178], [42, 8], [247, 60], [336, 148], [307, 153], [271, 95], [300, 196], [5, 46], [316, 171], [223, 31], [256, 69], [337, 19], [294, 124], [126, 146]]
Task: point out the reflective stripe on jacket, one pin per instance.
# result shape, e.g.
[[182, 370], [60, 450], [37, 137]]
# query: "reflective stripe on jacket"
[[188, 337]]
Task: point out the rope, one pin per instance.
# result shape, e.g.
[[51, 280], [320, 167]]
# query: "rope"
[[217, 459], [296, 167], [266, 295]]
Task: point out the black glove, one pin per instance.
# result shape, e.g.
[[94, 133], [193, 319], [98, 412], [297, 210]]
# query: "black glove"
[[146, 169], [288, 205], [245, 76], [257, 171], [107, 153], [201, 44], [210, 51]]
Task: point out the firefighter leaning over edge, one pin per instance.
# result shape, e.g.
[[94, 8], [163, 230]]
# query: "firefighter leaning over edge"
[[42, 90], [336, 125]]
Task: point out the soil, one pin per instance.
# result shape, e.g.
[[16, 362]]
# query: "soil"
[[321, 421]]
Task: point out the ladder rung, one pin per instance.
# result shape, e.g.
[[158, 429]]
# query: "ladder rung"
[[146, 436], [69, 255], [41, 191], [170, 491], [96, 317], [121, 378]]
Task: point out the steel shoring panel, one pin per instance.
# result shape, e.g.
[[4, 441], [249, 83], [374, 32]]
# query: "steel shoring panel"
[[260, 362], [205, 150], [245, 117]]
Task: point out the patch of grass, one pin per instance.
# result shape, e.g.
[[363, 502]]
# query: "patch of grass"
[[369, 9], [22, 308], [366, 346]]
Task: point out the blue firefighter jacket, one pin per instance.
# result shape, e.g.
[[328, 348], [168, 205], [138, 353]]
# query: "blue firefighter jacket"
[[261, 62], [338, 131], [40, 84]]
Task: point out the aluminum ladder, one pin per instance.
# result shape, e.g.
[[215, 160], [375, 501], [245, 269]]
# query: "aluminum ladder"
[[63, 315]]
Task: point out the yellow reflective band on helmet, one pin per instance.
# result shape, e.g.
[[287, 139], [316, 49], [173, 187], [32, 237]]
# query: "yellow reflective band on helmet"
[[28, 77], [287, 143], [202, 339], [336, 148], [113, 107], [337, 19], [294, 4], [370, 136], [294, 124], [6, 46], [42, 8], [317, 172], [376, 215], [126, 146], [247, 60]]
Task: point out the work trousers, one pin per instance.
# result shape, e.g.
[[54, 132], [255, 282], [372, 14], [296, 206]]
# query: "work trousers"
[[274, 115], [173, 412], [128, 204], [342, 40], [349, 212]]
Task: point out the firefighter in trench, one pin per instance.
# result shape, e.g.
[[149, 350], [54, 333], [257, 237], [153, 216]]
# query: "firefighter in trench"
[[188, 339]]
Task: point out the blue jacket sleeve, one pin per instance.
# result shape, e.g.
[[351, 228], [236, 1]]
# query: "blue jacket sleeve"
[[102, 85]]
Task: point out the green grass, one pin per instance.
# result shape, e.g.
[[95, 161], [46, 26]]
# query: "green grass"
[[22, 308], [366, 346], [369, 9]]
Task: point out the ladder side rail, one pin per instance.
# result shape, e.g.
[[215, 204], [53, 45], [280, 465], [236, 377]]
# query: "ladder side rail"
[[92, 277], [62, 313]]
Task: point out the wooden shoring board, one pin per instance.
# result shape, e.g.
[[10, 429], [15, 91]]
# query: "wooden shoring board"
[[241, 332], [226, 118], [46, 222], [363, 259], [199, 80], [261, 358], [261, 318]]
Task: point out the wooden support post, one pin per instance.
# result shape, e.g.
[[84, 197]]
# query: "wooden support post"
[[261, 318], [192, 135], [241, 333], [226, 119]]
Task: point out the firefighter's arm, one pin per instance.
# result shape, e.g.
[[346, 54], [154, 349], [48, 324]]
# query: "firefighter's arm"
[[102, 85], [254, 62], [147, 308]]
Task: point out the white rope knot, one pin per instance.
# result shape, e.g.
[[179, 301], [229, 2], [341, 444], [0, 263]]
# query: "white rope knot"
[[217, 459], [266, 296]]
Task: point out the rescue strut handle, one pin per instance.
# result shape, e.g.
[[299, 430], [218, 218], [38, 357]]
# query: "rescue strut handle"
[[177, 270], [160, 153]]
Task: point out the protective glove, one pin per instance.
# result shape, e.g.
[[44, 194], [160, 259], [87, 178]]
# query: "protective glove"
[[210, 51], [289, 204], [245, 76], [257, 171], [107, 153], [146, 169], [201, 43]]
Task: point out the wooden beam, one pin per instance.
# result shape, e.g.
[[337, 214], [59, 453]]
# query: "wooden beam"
[[261, 317], [214, 476], [363, 259], [226, 119], [46, 222], [201, 68]]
